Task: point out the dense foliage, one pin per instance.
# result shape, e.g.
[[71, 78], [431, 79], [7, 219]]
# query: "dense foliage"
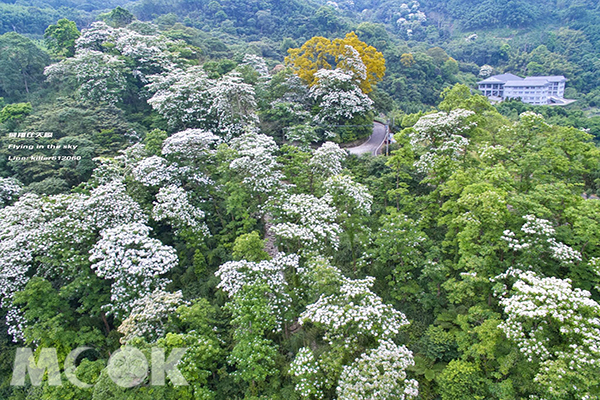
[[190, 188]]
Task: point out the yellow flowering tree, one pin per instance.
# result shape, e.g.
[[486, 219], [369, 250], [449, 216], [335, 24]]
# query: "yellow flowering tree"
[[322, 53]]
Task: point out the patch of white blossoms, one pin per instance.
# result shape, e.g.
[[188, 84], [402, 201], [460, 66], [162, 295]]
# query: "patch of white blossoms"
[[153, 171], [539, 232], [492, 153], [149, 51], [379, 374], [109, 205], [190, 144], [308, 221], [92, 38], [134, 261], [410, 17], [438, 137], [308, 376], [107, 170], [182, 97], [258, 64], [256, 162], [148, 315], [100, 77], [233, 104], [10, 189], [351, 62], [353, 313], [436, 128], [173, 204], [49, 237], [486, 71], [450, 150], [327, 160], [19, 231], [339, 98], [106, 57], [128, 157], [235, 275], [555, 325], [350, 315], [354, 194]]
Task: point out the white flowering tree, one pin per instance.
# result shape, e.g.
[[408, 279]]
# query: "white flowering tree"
[[255, 162], [149, 314], [307, 223], [110, 206], [173, 205], [259, 302], [440, 139], [353, 202], [132, 154], [380, 374], [349, 196], [327, 160], [233, 105], [486, 71], [353, 314], [310, 381], [190, 99], [350, 315], [98, 77], [435, 129], [145, 49], [350, 62], [190, 145], [150, 53], [19, 225], [153, 171], [95, 36], [410, 18], [557, 329], [235, 275], [51, 237], [537, 245], [338, 97], [182, 97], [115, 65], [10, 189], [134, 262], [258, 64], [189, 155]]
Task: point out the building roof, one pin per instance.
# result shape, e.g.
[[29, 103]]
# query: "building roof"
[[557, 101], [510, 78], [552, 78], [501, 78], [527, 83]]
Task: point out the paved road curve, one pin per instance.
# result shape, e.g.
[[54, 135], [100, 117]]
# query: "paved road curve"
[[373, 144]]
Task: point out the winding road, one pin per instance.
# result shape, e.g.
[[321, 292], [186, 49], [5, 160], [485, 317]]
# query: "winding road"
[[373, 145]]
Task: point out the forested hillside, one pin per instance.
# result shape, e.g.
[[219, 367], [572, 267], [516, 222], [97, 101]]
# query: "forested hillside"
[[174, 186]]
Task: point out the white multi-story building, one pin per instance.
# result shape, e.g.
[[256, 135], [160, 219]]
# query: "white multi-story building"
[[538, 90]]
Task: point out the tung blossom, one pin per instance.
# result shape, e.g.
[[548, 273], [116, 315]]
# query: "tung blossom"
[[134, 261], [308, 220], [339, 98], [380, 373]]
